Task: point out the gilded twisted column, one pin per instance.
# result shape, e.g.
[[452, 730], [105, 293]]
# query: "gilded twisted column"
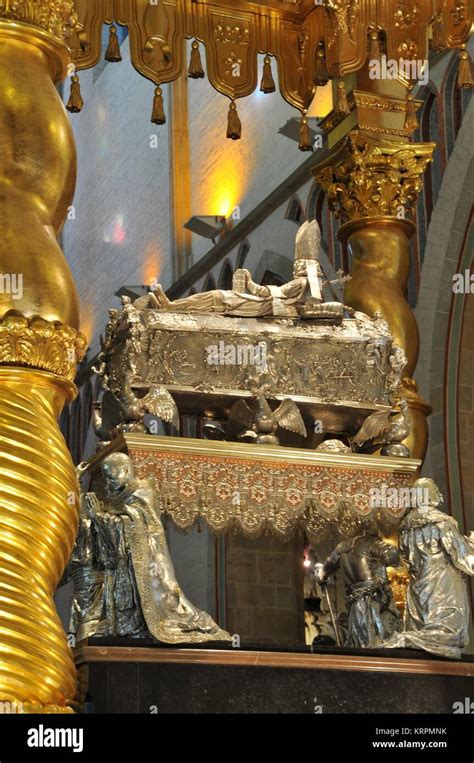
[[370, 184], [39, 348]]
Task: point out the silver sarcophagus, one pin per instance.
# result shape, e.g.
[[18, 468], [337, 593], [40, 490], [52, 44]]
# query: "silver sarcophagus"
[[337, 371]]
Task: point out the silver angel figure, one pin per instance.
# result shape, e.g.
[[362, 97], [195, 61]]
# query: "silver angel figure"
[[438, 557], [372, 614], [141, 593]]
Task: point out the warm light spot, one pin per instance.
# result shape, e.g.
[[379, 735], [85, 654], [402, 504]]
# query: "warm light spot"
[[224, 192], [87, 326], [223, 174], [151, 264], [224, 208], [322, 102]]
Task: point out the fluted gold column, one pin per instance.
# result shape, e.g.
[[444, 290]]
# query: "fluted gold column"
[[39, 349]]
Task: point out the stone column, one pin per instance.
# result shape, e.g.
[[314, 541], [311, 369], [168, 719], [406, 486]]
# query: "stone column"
[[39, 349]]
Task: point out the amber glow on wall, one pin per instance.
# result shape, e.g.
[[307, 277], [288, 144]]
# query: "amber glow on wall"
[[87, 322], [224, 190], [151, 264]]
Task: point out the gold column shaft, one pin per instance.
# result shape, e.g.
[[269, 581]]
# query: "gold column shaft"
[[39, 350], [380, 271], [37, 175]]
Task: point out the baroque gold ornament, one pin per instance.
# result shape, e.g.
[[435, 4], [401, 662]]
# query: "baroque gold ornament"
[[374, 179], [58, 17], [40, 344], [76, 101]]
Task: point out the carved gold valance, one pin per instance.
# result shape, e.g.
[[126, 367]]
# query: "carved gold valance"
[[258, 489], [312, 41], [234, 32]]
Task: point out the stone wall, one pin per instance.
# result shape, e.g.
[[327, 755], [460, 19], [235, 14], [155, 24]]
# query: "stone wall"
[[120, 230], [264, 589], [466, 412]]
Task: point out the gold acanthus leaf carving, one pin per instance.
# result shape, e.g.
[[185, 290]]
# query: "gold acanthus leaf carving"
[[58, 17], [369, 181], [36, 343]]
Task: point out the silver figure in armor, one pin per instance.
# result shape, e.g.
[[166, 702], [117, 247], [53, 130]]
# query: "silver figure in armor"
[[134, 590], [438, 558], [372, 613]]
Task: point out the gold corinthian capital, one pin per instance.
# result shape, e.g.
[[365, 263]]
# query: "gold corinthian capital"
[[40, 346]]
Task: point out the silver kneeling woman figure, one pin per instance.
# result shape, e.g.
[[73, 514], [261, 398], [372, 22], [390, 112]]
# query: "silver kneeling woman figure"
[[438, 557]]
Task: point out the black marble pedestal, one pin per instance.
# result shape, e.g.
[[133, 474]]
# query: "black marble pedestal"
[[119, 676]]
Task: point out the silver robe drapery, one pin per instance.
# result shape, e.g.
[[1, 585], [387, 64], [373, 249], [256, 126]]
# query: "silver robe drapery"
[[437, 607], [146, 567], [88, 612]]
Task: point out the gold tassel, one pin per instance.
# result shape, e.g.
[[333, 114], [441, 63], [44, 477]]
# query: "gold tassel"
[[305, 143], [112, 54], [321, 74], [76, 101], [465, 73], [374, 47], [268, 83], [158, 116], [234, 126], [342, 104], [195, 70], [411, 121]]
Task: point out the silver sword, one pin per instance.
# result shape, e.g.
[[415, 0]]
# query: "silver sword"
[[331, 612]]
